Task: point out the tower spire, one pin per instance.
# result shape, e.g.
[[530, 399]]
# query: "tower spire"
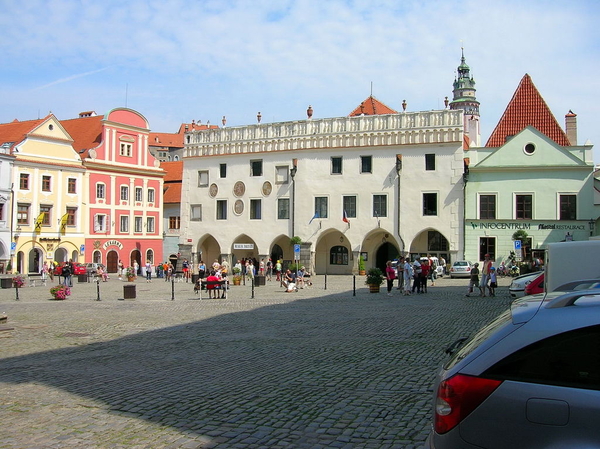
[[464, 98]]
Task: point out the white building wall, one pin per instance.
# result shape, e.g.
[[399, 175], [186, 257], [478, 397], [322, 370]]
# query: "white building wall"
[[313, 144]]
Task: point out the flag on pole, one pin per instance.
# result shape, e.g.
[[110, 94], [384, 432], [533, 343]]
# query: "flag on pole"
[[316, 215], [345, 218]]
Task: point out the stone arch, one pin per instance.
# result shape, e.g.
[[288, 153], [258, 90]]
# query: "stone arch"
[[380, 245], [333, 253], [244, 247], [431, 242], [208, 249]]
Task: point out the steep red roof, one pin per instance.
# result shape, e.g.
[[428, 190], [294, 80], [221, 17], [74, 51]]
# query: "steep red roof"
[[193, 127], [172, 193], [372, 106], [165, 140], [15, 132], [86, 132], [527, 108], [173, 170]]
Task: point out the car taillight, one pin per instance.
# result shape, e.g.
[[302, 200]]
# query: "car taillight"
[[459, 396]]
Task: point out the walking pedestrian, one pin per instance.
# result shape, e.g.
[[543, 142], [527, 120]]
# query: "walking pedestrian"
[[390, 275]]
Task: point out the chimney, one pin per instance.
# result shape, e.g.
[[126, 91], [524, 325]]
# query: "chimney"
[[571, 127]]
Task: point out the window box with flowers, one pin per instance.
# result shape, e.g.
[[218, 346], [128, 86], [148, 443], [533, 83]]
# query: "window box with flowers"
[[18, 281], [60, 292]]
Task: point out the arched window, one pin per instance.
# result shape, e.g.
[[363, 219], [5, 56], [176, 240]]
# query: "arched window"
[[338, 255], [150, 255]]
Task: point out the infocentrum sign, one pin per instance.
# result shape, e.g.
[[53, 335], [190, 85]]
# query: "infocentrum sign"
[[527, 226]]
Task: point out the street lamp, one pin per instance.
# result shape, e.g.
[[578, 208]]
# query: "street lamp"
[[17, 232]]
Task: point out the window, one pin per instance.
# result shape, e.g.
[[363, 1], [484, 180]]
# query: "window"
[[223, 170], [338, 255], [196, 212], [100, 223], [487, 245], [221, 209], [72, 185], [151, 196], [429, 162], [139, 195], [255, 209], [256, 168], [379, 205], [336, 165], [1, 211], [283, 209], [366, 164], [203, 178], [137, 224], [568, 207], [174, 222], [100, 191], [23, 214], [124, 225], [436, 242], [150, 224], [569, 359], [126, 149], [321, 207], [24, 181], [430, 204], [487, 207], [524, 207], [124, 193], [46, 183], [282, 173], [71, 216], [349, 205], [47, 210]]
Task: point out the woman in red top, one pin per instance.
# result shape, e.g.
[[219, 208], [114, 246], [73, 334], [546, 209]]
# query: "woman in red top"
[[390, 275]]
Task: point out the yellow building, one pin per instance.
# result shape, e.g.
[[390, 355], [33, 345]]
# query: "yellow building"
[[48, 185]]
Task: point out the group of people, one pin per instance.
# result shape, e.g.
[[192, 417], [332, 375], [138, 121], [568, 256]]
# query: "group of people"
[[488, 279], [412, 276], [292, 281]]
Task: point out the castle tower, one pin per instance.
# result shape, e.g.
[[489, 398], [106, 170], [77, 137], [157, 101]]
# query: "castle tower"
[[464, 98]]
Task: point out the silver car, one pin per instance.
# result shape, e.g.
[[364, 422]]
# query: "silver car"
[[461, 269], [518, 284], [529, 379]]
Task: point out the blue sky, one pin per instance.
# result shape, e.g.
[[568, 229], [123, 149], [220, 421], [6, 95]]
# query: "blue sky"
[[181, 60]]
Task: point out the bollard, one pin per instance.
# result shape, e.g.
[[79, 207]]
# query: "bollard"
[[98, 289], [354, 285], [252, 297], [325, 281], [17, 293], [172, 288]]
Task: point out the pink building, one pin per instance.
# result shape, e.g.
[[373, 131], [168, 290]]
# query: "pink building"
[[124, 210]]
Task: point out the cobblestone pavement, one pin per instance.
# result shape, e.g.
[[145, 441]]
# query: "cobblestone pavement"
[[316, 368]]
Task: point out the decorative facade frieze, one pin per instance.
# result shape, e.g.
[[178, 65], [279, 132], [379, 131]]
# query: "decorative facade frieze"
[[364, 131]]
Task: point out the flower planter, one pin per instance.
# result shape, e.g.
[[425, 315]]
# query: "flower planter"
[[130, 278], [374, 288]]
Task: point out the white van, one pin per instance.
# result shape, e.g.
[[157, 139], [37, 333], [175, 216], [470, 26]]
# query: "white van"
[[439, 270], [571, 261]]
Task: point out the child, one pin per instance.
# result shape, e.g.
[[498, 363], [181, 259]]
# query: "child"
[[474, 279], [493, 284]]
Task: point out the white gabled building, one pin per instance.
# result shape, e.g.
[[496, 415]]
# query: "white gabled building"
[[395, 177]]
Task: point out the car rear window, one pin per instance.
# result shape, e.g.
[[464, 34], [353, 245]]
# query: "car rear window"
[[569, 359], [483, 334], [460, 264]]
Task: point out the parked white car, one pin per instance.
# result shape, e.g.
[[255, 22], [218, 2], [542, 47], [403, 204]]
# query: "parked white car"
[[517, 286]]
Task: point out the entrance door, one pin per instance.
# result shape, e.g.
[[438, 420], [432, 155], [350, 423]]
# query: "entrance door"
[[112, 262]]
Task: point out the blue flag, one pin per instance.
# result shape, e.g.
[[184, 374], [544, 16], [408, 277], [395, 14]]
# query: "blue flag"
[[316, 215]]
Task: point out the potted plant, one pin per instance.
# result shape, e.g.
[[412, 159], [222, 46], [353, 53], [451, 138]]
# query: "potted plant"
[[130, 273], [237, 276], [18, 281], [295, 240], [361, 266], [374, 279], [60, 292]]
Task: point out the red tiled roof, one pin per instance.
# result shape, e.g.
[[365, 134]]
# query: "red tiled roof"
[[86, 132], [16, 131], [527, 108], [172, 193], [372, 106], [173, 171], [194, 127], [165, 140]]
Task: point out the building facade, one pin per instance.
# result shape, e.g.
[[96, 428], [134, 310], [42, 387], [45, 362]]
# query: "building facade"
[[6, 238], [531, 178], [371, 185], [124, 214]]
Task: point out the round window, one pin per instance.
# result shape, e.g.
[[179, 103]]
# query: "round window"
[[529, 148]]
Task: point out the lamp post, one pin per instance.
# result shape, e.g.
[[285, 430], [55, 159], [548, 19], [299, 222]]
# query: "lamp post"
[[293, 172], [398, 170]]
